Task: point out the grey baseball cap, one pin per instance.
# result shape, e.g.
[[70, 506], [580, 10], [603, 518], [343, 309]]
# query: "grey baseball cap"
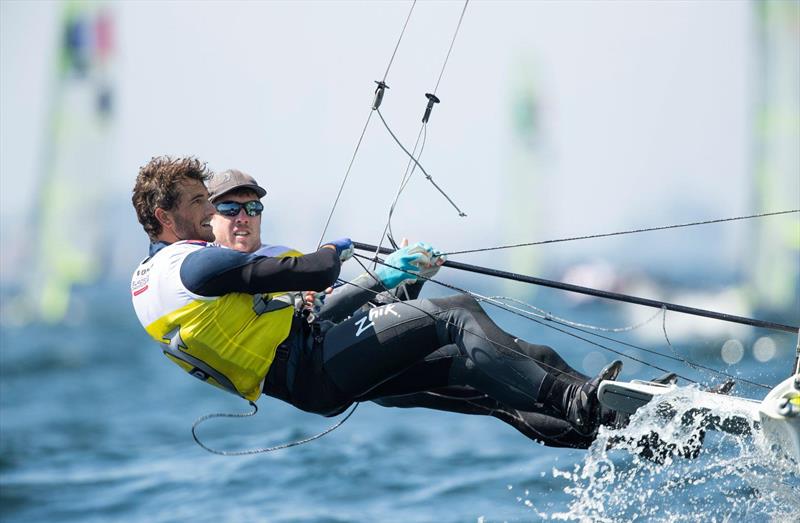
[[226, 181]]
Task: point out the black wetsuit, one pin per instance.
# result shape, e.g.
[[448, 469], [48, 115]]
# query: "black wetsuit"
[[443, 354]]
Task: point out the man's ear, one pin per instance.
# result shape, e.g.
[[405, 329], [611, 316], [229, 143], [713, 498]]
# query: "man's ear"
[[163, 218]]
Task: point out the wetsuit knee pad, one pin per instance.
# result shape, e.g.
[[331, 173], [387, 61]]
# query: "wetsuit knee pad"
[[457, 301]]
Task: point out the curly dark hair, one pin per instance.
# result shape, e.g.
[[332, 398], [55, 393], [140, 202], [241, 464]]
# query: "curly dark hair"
[[157, 186]]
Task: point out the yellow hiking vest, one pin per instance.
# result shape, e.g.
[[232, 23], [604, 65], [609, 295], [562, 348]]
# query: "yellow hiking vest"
[[228, 341]]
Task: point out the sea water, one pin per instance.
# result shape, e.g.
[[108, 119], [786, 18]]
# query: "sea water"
[[95, 426], [734, 477]]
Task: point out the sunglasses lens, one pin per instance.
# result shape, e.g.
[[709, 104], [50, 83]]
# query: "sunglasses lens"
[[228, 208], [253, 208]]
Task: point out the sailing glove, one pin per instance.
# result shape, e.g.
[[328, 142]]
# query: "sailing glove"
[[344, 248], [408, 263]]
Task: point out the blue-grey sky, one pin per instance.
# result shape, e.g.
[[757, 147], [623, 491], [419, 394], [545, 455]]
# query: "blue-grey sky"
[[644, 116]]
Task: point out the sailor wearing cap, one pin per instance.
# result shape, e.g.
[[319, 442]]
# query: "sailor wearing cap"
[[218, 313], [237, 223]]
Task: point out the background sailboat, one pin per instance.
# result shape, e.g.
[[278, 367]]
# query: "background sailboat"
[[66, 241], [775, 247], [647, 108]]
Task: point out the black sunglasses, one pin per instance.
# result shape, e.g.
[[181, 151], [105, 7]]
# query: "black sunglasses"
[[252, 208]]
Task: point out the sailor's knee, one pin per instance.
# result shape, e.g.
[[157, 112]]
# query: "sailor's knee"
[[458, 301]]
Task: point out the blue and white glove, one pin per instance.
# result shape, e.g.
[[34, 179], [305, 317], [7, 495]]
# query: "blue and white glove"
[[344, 248], [406, 264], [437, 260]]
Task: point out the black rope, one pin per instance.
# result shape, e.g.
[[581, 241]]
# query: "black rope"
[[528, 317], [262, 450], [604, 294], [502, 306], [519, 353], [620, 233], [510, 349]]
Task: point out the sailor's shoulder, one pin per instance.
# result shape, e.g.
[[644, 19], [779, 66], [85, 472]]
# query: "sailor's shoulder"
[[193, 245], [174, 253], [276, 251]]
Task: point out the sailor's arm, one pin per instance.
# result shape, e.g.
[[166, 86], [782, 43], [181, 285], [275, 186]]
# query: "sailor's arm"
[[216, 271]]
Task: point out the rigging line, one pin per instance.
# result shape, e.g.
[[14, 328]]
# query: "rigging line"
[[522, 314], [643, 349], [531, 317], [423, 129], [677, 357], [481, 298], [344, 180], [364, 130], [604, 294], [397, 46], [545, 315], [699, 367], [423, 132], [585, 329], [261, 450], [403, 182], [620, 233], [669, 343], [421, 168], [452, 42]]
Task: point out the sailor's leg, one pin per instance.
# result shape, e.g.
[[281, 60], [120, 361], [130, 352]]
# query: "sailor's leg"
[[433, 372], [550, 360], [544, 427], [447, 367], [438, 383], [370, 348]]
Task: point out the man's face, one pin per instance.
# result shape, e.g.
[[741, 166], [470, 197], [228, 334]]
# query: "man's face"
[[240, 232], [191, 217]]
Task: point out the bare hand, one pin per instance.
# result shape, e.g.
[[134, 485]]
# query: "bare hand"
[[313, 300]]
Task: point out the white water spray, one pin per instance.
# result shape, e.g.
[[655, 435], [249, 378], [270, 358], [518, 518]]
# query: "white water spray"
[[732, 478]]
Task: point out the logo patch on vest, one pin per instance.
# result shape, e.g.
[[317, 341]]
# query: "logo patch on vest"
[[141, 280]]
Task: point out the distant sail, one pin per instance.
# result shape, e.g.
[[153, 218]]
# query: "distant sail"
[[526, 186], [775, 251], [75, 162]]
